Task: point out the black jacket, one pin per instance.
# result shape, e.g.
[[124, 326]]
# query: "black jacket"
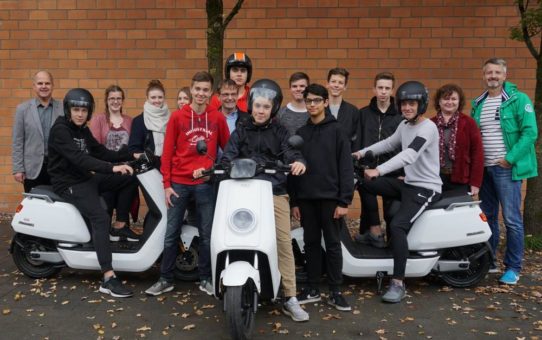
[[330, 173], [74, 154], [141, 138], [348, 118], [375, 126], [264, 144]]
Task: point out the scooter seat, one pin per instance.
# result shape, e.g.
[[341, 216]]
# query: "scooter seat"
[[47, 190], [449, 197]]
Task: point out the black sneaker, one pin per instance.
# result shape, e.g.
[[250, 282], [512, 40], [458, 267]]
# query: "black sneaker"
[[123, 234], [370, 239], [308, 295], [337, 300], [115, 288]]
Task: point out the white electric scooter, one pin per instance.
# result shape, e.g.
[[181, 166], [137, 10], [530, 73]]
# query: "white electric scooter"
[[51, 233], [449, 239], [244, 258]]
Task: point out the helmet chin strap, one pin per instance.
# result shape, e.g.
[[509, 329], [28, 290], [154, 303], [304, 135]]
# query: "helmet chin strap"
[[414, 120]]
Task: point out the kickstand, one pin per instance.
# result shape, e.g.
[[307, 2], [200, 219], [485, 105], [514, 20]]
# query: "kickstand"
[[379, 279]]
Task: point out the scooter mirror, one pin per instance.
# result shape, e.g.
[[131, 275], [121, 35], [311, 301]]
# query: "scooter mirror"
[[296, 142], [201, 147]]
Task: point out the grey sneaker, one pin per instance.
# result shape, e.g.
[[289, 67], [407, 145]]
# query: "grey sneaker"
[[368, 238], [494, 268], [206, 286], [294, 310], [162, 286], [396, 293]]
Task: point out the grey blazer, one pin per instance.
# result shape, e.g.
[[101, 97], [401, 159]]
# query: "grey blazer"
[[28, 148]]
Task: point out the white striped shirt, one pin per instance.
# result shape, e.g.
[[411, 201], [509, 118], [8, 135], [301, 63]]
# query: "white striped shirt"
[[490, 127]]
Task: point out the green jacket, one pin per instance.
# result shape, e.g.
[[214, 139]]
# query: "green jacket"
[[518, 124]]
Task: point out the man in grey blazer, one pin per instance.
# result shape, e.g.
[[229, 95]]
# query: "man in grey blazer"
[[33, 121]]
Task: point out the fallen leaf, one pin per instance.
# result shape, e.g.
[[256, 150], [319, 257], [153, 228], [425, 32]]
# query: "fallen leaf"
[[274, 312], [143, 329], [6, 311], [328, 317], [356, 311], [189, 327], [207, 306], [490, 333], [184, 315], [65, 302]]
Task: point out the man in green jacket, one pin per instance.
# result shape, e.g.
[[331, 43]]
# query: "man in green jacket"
[[508, 125]]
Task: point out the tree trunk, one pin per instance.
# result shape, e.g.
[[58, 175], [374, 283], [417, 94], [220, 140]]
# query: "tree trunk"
[[532, 214], [215, 38]]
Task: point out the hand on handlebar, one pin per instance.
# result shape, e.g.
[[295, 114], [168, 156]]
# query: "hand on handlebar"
[[123, 169], [200, 173], [297, 168], [356, 155], [371, 173]]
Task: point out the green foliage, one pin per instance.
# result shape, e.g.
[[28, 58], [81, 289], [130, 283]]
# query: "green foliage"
[[533, 242], [530, 23]]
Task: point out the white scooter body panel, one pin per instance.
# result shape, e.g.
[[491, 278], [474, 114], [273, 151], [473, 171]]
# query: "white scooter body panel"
[[237, 274], [439, 228], [151, 250], [50, 220], [256, 196]]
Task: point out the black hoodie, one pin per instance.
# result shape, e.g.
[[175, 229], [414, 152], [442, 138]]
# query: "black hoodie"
[[74, 154], [265, 144], [375, 126], [330, 173]]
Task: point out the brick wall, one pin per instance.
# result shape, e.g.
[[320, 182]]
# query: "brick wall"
[[94, 43]]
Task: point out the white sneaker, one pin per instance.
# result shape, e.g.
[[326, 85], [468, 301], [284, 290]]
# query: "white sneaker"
[[293, 309], [206, 286]]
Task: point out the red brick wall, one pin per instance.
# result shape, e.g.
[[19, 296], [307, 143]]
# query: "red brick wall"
[[93, 43]]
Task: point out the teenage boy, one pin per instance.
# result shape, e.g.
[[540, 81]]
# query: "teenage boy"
[[227, 93], [264, 140], [238, 67], [81, 169], [188, 125], [294, 115], [419, 141], [378, 121], [346, 114], [322, 196]]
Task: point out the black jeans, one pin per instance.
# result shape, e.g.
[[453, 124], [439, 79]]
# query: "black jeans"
[[448, 185], [85, 196], [414, 200], [42, 179], [369, 210], [317, 218]]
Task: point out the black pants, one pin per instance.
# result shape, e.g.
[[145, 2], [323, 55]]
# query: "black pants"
[[85, 196], [42, 179], [116, 200], [414, 200], [448, 185], [369, 210], [317, 218]]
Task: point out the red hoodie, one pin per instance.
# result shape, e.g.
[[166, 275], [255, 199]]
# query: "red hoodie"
[[184, 129]]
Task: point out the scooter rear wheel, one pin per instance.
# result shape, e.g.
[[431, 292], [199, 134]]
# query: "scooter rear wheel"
[[240, 301], [26, 264], [478, 267]]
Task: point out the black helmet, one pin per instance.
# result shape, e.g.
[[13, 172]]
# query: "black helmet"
[[266, 88], [238, 59], [78, 98], [413, 90]]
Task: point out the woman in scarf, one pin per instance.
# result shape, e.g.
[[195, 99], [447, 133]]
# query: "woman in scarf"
[[461, 151], [149, 128]]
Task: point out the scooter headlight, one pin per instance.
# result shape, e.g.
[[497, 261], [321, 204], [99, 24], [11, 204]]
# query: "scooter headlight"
[[242, 220]]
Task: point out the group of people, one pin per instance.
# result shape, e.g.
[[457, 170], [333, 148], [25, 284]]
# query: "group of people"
[[487, 153]]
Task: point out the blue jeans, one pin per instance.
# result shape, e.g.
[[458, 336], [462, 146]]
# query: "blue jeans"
[[204, 197], [499, 188]]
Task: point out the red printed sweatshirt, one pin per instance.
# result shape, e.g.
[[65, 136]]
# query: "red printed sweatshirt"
[[184, 129]]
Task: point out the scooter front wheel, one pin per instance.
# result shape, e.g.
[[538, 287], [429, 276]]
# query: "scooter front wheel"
[[478, 267], [26, 264], [240, 311]]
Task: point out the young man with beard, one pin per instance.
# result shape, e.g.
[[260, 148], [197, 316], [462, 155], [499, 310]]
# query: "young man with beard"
[[322, 196], [188, 125]]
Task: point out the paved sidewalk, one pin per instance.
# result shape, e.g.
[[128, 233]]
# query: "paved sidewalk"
[[70, 307]]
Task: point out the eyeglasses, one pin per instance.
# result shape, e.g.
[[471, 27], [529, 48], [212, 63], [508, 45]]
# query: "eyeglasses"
[[114, 99], [313, 101]]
